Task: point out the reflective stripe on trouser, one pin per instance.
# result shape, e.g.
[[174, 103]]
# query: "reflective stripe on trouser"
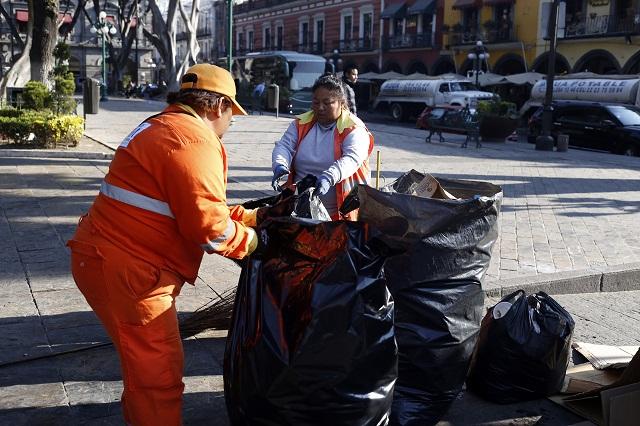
[[135, 302], [135, 199]]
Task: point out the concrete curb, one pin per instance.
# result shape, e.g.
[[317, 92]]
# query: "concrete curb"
[[51, 153], [623, 277]]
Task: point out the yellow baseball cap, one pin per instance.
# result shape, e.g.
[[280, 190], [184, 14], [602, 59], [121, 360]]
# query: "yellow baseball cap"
[[214, 79]]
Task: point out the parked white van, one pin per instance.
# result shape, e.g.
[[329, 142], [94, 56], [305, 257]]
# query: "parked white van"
[[410, 97]]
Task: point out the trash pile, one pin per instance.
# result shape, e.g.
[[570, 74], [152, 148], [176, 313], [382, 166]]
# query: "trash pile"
[[381, 321]]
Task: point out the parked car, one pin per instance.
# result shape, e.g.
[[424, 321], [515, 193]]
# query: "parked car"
[[609, 127]]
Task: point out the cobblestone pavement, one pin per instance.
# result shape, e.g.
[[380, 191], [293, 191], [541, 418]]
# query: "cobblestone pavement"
[[561, 212]]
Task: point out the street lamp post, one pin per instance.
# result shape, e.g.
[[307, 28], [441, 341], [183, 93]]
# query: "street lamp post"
[[335, 61], [544, 142], [477, 55], [103, 28], [230, 34]]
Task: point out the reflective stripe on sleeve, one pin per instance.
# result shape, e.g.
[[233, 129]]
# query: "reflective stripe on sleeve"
[[136, 200], [218, 242]]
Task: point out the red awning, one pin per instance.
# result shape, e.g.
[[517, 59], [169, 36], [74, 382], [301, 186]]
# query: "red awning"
[[496, 2], [65, 18], [22, 15], [464, 4]]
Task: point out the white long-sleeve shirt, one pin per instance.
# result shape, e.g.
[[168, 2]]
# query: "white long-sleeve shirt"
[[315, 156]]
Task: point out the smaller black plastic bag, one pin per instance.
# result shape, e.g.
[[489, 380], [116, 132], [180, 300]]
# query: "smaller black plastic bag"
[[523, 354]]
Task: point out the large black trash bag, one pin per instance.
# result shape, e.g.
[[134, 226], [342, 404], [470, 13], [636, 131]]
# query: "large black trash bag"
[[524, 354], [311, 340], [436, 284]]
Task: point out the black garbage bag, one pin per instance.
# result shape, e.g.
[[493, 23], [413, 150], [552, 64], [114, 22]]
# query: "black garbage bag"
[[524, 354], [436, 284], [311, 340]]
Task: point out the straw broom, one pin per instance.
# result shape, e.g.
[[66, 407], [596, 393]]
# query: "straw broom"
[[213, 315]]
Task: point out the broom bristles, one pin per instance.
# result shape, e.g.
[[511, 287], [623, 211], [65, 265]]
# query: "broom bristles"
[[214, 315]]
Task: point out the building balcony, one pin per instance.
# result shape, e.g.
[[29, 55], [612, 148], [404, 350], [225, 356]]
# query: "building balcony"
[[600, 26], [356, 45], [408, 41], [488, 36], [314, 48]]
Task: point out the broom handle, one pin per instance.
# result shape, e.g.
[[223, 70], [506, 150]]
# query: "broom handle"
[[378, 170]]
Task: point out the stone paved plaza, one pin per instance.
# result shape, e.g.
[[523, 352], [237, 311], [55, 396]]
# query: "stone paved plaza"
[[568, 223]]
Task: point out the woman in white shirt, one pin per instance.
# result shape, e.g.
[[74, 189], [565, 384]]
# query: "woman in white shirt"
[[328, 142]]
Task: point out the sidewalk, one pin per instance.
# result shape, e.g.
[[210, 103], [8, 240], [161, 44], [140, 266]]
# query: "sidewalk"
[[569, 216]]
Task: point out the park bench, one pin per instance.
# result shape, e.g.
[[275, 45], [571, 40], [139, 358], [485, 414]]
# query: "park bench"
[[452, 120]]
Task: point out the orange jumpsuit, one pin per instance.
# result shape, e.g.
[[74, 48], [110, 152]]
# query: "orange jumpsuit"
[[160, 207]]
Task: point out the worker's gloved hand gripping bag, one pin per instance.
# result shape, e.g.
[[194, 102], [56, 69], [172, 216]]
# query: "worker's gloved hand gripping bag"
[[311, 340], [524, 354], [435, 284]]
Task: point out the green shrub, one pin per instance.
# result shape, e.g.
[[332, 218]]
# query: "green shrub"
[[11, 112], [36, 96], [497, 107], [40, 128]]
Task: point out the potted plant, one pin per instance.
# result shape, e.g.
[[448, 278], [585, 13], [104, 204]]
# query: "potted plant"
[[498, 119]]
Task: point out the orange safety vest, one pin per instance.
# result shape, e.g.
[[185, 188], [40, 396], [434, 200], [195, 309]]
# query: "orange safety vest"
[[346, 123], [164, 197]]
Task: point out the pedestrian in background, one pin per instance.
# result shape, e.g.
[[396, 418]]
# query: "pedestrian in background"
[[328, 142], [257, 94], [160, 207], [350, 78]]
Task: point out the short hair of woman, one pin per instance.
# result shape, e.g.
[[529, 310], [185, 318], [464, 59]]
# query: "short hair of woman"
[[198, 99], [333, 85]]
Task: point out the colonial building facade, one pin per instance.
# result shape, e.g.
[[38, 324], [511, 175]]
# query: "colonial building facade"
[[436, 36]]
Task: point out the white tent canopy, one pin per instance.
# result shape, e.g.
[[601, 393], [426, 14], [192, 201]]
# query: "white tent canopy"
[[490, 79]]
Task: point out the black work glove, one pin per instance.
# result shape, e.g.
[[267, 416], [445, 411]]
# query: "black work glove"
[[280, 176]]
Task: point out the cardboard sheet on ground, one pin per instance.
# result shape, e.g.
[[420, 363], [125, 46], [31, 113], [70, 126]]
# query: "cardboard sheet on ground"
[[606, 356], [605, 397]]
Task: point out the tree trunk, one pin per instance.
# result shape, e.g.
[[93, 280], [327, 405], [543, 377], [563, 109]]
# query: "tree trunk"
[[191, 25], [19, 72], [65, 28], [45, 37], [127, 36], [12, 27], [163, 38]]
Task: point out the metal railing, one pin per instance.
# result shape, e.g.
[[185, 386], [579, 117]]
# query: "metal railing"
[[408, 41], [472, 35], [601, 25], [316, 48], [356, 45]]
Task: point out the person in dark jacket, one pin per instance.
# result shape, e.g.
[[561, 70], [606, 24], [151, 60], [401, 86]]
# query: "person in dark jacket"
[[349, 78]]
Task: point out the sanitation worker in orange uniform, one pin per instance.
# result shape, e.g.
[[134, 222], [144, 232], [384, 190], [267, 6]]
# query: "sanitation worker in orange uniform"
[[160, 207]]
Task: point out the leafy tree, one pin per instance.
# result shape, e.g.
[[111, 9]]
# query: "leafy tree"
[[64, 84]]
